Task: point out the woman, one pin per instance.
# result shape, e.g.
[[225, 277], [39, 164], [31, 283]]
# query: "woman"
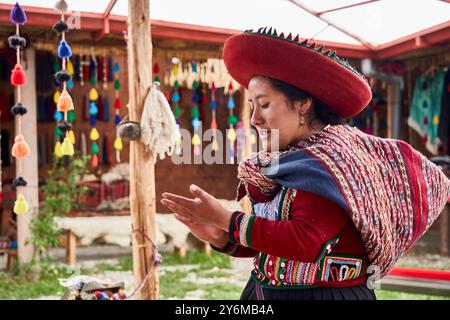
[[333, 205]]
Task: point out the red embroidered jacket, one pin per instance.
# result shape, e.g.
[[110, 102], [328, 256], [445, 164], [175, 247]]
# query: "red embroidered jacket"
[[297, 239]]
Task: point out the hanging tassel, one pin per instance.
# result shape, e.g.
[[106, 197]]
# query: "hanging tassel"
[[118, 144], [65, 102], [58, 150], [94, 160], [93, 94], [94, 148], [106, 109], [20, 205], [20, 148], [62, 6], [70, 69], [93, 121], [64, 50], [93, 109], [196, 140], [117, 104], [231, 135], [71, 136], [58, 116], [18, 15], [56, 96], [67, 148], [18, 77], [117, 120], [94, 134]]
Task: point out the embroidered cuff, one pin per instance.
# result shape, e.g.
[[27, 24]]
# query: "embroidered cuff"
[[240, 229]]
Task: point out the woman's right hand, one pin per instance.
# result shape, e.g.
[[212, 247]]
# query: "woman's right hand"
[[206, 232]]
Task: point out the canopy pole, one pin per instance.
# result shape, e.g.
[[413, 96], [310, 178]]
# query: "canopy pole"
[[142, 169]]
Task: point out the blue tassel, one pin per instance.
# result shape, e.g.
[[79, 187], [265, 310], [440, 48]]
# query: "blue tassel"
[[194, 67], [116, 68], [176, 96], [58, 116], [106, 109], [64, 50], [230, 103], [110, 69], [196, 123], [213, 105], [70, 84], [117, 119], [93, 121], [195, 97], [17, 15], [93, 110]]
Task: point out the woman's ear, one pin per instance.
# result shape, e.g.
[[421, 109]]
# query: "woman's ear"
[[304, 106]]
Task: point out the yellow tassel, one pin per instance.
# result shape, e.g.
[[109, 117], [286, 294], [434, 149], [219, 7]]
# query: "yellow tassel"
[[118, 144], [196, 140], [231, 134], [94, 134], [56, 96], [58, 151], [436, 120], [71, 136], [67, 148], [20, 205], [93, 94], [69, 67]]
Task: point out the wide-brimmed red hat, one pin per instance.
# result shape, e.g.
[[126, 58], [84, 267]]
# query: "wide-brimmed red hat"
[[313, 69]]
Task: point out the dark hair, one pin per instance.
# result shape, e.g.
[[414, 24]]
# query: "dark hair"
[[321, 111]]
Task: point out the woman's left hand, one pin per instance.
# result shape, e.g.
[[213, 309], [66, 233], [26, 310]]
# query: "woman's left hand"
[[203, 209]]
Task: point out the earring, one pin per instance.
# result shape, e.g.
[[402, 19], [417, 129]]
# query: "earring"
[[302, 119]]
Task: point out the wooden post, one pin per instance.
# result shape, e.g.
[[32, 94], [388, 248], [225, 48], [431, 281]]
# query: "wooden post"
[[246, 125], [142, 169], [71, 248], [29, 163]]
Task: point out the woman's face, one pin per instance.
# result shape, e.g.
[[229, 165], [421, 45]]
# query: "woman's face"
[[277, 122]]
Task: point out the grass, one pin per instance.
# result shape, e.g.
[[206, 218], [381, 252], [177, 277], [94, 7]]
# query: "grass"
[[29, 282]]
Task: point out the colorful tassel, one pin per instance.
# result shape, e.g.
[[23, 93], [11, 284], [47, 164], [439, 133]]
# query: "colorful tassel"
[[18, 77], [93, 94], [20, 148], [67, 148], [20, 205], [64, 50], [71, 136], [95, 160], [58, 150], [94, 135], [118, 144], [17, 15], [65, 102]]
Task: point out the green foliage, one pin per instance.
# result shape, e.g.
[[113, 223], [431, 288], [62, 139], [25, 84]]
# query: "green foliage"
[[62, 193]]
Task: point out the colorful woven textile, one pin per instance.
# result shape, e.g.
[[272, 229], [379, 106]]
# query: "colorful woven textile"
[[391, 192]]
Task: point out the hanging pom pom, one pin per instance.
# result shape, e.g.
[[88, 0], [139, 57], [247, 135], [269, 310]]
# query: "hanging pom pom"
[[231, 135], [116, 68], [65, 126], [196, 140], [71, 116], [155, 68], [62, 76], [20, 148], [93, 94], [18, 77], [93, 121], [177, 111], [232, 120], [176, 97], [93, 109], [70, 69], [18, 15], [94, 160], [58, 116], [95, 149], [117, 120], [62, 6], [19, 182], [70, 84], [195, 112], [196, 123], [67, 148], [65, 102], [213, 105], [118, 144], [213, 124], [213, 87], [71, 136], [60, 27], [18, 110], [64, 50], [116, 85], [436, 120], [16, 41], [94, 134], [230, 104], [58, 150], [117, 104], [58, 132], [157, 79], [56, 96], [20, 205]]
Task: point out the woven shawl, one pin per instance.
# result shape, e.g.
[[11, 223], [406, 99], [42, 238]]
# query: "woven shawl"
[[391, 192]]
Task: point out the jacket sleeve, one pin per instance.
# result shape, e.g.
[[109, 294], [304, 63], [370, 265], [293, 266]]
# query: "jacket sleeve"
[[236, 250], [315, 221]]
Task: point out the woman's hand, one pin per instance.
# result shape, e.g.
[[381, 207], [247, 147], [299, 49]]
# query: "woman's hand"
[[206, 232], [204, 209]]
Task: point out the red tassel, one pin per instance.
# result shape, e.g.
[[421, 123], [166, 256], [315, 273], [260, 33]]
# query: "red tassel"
[[94, 160], [168, 97], [230, 87], [156, 68], [425, 120], [86, 73], [117, 104], [18, 76]]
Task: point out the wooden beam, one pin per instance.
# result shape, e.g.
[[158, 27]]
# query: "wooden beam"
[[142, 169]]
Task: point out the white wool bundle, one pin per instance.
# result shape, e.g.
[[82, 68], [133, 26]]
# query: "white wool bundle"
[[159, 131]]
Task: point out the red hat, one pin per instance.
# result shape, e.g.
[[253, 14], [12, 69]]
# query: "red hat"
[[320, 73]]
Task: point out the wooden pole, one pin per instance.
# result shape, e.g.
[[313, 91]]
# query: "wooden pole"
[[29, 163], [142, 169], [246, 117]]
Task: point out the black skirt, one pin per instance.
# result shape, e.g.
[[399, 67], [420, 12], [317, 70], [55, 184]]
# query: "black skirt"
[[254, 291]]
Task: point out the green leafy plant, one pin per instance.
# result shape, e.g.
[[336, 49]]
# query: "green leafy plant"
[[62, 192]]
